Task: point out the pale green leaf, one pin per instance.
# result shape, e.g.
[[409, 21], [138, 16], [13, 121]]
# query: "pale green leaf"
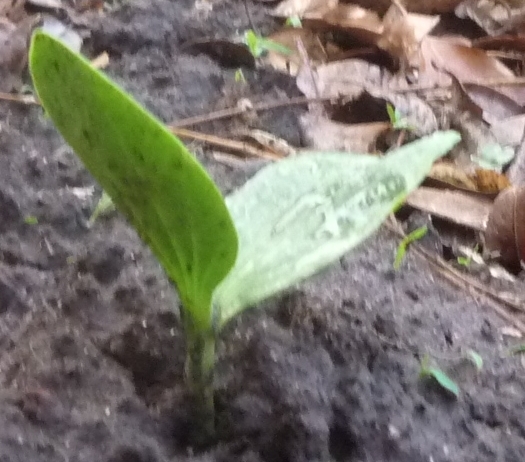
[[476, 359], [104, 206], [299, 215], [442, 379]]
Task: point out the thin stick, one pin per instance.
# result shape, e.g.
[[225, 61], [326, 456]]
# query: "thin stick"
[[19, 98], [300, 100], [240, 147], [235, 111]]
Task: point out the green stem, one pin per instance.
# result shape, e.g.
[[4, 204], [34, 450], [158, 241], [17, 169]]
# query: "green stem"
[[200, 361]]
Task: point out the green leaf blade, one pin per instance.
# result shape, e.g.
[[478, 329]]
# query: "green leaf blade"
[[476, 359], [442, 379], [160, 188], [415, 235], [299, 215]]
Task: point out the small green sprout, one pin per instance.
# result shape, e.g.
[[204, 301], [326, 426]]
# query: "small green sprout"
[[476, 359], [398, 121], [415, 235], [259, 45], [104, 207], [239, 76], [426, 370], [466, 261], [294, 21], [292, 219], [31, 220]]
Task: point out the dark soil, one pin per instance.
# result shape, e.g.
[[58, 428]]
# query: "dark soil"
[[91, 353]]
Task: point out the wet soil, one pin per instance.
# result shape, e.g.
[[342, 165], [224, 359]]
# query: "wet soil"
[[91, 352]]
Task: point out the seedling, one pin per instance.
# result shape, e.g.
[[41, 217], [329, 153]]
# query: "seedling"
[[466, 261], [259, 45], [438, 375], [476, 359], [294, 21], [407, 240], [30, 220], [239, 76], [290, 220], [104, 207], [398, 121]]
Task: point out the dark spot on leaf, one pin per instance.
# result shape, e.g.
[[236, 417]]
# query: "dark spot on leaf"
[[138, 154], [87, 137], [189, 267]]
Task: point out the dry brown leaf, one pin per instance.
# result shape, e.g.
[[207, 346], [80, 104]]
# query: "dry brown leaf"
[[508, 131], [326, 135], [364, 25], [486, 182], [489, 181], [14, 43], [289, 37], [450, 175], [458, 58], [350, 78], [495, 105], [301, 7], [402, 34], [505, 234], [494, 17], [412, 6], [509, 42], [455, 206], [13, 10]]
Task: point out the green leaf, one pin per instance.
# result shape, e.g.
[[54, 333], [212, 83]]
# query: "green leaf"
[[441, 378], [493, 156], [259, 45], [252, 41], [407, 240], [104, 206], [476, 359], [391, 113], [239, 76], [294, 21], [464, 261], [297, 216], [152, 178], [30, 220]]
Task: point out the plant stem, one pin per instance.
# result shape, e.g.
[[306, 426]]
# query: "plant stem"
[[200, 361]]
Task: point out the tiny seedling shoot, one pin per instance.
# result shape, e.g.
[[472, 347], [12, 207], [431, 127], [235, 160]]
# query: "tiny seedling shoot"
[[259, 45], [289, 221], [415, 235]]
